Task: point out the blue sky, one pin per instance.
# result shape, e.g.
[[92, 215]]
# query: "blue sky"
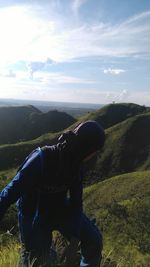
[[89, 51]]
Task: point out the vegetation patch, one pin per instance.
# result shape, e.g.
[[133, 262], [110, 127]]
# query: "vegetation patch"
[[121, 208]]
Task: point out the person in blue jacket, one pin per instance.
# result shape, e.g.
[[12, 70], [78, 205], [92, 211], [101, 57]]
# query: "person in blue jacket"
[[48, 191]]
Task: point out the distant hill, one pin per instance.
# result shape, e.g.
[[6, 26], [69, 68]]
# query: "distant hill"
[[27, 122], [112, 114], [121, 208], [73, 109], [13, 122]]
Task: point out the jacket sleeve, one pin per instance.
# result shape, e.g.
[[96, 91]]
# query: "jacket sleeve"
[[76, 205], [24, 181]]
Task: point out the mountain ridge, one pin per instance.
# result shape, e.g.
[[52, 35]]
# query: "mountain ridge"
[[112, 114]]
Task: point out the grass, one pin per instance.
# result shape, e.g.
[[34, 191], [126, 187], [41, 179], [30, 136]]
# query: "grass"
[[126, 148], [10, 257], [121, 208], [112, 114]]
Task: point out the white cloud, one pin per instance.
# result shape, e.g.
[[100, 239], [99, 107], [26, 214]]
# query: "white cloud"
[[77, 4], [113, 71], [59, 78], [34, 66], [129, 38], [25, 35], [7, 73], [124, 95]]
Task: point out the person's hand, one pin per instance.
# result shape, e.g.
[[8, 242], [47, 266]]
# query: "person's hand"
[[71, 252]]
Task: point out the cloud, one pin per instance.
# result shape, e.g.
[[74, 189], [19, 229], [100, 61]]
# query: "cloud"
[[128, 39], [118, 97], [123, 95], [113, 71], [77, 4], [27, 32], [34, 66], [59, 78], [8, 74]]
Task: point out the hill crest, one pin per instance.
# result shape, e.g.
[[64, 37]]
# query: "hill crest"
[[112, 114]]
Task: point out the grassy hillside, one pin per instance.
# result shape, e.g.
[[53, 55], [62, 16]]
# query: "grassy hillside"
[[121, 208], [26, 123], [10, 218], [126, 149], [12, 155], [52, 121], [112, 114]]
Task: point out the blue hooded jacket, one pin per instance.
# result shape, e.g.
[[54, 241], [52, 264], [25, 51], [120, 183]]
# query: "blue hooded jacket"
[[41, 186]]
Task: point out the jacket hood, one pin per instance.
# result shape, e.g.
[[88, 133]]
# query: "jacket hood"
[[86, 138]]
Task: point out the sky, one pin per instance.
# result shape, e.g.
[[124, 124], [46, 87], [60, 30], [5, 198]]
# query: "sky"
[[87, 51]]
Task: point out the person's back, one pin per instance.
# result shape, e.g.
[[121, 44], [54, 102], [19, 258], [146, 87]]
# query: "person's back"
[[52, 181]]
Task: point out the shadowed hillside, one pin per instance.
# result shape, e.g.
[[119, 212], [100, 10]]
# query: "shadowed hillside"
[[13, 121], [26, 123], [112, 114]]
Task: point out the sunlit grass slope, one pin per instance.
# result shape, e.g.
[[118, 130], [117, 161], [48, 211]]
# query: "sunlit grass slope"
[[121, 208]]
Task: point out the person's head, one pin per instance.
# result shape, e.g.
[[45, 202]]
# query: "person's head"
[[88, 137]]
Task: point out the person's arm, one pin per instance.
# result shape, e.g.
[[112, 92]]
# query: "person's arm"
[[76, 205], [24, 181]]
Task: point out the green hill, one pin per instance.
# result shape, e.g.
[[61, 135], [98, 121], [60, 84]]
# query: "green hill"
[[12, 155], [112, 114], [121, 208], [126, 149], [27, 122]]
